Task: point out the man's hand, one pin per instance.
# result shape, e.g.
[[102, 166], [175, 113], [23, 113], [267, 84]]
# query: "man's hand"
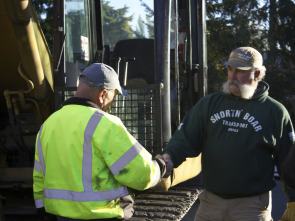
[[165, 182], [169, 164], [289, 214]]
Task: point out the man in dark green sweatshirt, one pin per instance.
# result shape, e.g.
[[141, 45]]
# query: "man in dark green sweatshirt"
[[242, 134]]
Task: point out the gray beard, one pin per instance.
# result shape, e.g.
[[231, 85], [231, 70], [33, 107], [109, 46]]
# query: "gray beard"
[[247, 91]]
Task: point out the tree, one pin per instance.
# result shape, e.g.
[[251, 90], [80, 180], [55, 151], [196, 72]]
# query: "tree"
[[149, 19], [115, 24], [140, 30], [44, 12], [281, 39], [150, 26], [230, 25]]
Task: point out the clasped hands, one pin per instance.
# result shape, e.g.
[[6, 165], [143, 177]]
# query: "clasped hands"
[[169, 164]]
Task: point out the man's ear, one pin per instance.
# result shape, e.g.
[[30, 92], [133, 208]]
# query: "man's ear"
[[101, 95], [256, 75]]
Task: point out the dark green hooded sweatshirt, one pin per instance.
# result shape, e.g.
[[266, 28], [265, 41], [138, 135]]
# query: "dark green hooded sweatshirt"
[[241, 140]]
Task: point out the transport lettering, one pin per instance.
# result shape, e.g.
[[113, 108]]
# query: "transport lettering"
[[243, 120]]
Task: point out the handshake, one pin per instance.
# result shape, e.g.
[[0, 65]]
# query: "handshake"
[[190, 168], [169, 164]]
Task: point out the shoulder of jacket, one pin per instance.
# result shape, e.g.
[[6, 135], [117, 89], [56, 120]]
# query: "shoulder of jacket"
[[112, 118], [275, 103], [210, 97], [277, 106]]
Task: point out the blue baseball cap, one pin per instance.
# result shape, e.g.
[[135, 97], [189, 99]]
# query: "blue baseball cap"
[[102, 76]]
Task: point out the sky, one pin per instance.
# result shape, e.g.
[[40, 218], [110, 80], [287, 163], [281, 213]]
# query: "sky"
[[134, 6]]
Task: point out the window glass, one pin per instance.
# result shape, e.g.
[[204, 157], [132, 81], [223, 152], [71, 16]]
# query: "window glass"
[[127, 19], [77, 40]]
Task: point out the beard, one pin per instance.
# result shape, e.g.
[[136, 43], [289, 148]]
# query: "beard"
[[247, 91]]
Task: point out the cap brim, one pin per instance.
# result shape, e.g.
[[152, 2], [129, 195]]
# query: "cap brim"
[[123, 92], [237, 65]]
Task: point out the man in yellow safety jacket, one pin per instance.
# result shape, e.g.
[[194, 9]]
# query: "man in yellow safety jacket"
[[85, 159]]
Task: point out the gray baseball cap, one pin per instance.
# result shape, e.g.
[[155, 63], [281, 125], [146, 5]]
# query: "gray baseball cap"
[[245, 58], [103, 76]]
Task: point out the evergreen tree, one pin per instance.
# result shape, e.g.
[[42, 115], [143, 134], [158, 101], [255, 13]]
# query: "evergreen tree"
[[150, 26], [140, 30], [149, 19], [230, 25], [115, 24], [281, 56], [44, 12]]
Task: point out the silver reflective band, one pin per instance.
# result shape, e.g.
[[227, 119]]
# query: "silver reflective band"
[[37, 166], [87, 150], [86, 196], [40, 151], [126, 158], [157, 176], [39, 203]]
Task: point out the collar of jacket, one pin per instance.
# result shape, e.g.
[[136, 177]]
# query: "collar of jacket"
[[80, 101]]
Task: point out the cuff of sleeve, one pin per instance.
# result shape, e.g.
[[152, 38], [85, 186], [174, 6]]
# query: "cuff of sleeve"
[[39, 203], [173, 159], [162, 166]]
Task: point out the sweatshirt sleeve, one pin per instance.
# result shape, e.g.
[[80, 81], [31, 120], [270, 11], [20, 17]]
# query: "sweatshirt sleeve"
[[284, 146], [288, 169], [286, 139], [187, 139]]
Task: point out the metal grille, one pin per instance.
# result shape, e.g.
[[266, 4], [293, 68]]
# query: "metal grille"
[[140, 112], [62, 94]]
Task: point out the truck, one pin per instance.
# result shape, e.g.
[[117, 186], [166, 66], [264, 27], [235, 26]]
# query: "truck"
[[164, 76]]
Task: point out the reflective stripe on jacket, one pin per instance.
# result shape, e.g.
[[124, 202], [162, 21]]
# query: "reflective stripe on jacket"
[[85, 159]]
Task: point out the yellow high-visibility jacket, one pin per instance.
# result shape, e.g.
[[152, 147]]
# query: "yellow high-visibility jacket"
[[84, 161]]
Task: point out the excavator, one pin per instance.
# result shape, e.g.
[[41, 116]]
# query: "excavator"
[[164, 74]]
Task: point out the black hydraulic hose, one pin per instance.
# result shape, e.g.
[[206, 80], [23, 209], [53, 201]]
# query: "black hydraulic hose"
[[18, 123], [11, 120]]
